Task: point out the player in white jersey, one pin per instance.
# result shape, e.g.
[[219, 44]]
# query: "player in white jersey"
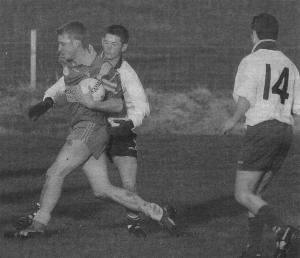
[[122, 143], [267, 92]]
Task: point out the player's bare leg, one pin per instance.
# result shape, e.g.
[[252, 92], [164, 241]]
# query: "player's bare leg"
[[127, 167], [245, 190], [73, 154], [96, 171], [247, 185], [256, 225]]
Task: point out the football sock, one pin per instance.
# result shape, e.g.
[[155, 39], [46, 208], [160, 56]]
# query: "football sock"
[[133, 217], [152, 210], [255, 232], [42, 217], [268, 216]]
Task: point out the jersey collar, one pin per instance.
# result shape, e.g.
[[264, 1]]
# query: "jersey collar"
[[269, 44], [118, 64]]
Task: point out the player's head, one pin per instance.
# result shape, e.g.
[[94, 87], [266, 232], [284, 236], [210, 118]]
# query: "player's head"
[[265, 26], [71, 36], [115, 41]]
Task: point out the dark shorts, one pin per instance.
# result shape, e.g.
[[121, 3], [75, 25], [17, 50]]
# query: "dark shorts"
[[265, 146], [93, 135], [122, 146]]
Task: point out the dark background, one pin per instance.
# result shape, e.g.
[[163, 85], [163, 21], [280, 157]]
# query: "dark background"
[[174, 44]]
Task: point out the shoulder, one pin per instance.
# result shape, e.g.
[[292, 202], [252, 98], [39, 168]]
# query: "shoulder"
[[250, 64], [288, 61], [127, 72], [126, 68], [251, 59]]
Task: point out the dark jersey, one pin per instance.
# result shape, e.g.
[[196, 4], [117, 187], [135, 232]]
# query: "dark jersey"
[[72, 76]]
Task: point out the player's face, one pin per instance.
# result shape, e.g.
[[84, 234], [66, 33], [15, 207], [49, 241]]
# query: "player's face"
[[112, 46], [66, 47]]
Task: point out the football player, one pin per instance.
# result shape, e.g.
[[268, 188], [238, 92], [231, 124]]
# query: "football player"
[[88, 138], [267, 92], [122, 143]]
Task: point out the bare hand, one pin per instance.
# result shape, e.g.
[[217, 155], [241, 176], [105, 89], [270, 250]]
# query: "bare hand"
[[227, 126], [109, 86]]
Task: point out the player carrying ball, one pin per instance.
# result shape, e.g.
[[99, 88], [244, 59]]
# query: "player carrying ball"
[[267, 92], [88, 138]]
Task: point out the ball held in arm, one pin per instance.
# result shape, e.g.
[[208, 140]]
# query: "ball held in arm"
[[94, 86]]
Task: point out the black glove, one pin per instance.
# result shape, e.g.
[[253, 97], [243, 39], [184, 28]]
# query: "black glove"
[[39, 109], [124, 127]]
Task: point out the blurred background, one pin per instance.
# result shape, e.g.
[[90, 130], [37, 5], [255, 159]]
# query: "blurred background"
[[190, 47]]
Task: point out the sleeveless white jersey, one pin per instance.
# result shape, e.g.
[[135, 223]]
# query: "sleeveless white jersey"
[[270, 81]]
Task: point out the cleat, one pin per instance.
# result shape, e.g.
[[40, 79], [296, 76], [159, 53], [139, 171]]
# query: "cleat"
[[137, 231], [26, 234], [25, 221], [133, 225], [285, 242], [36, 229], [167, 220]]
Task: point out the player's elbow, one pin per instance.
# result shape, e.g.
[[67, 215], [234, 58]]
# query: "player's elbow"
[[242, 197], [296, 109]]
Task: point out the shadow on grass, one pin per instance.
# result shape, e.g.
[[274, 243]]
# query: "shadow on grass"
[[35, 172], [76, 211], [33, 195], [225, 206], [83, 210], [187, 215]]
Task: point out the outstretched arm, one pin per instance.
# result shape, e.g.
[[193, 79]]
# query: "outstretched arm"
[[55, 92]]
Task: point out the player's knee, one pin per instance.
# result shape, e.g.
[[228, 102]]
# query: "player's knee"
[[102, 193], [241, 196], [56, 172]]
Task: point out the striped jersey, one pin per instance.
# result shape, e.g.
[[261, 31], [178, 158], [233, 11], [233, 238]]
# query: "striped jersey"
[[136, 102]]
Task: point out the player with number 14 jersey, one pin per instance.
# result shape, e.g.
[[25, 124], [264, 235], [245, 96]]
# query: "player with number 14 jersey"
[[268, 80]]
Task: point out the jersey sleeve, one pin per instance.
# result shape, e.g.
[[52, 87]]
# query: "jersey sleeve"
[[296, 101], [135, 98], [245, 84], [56, 91]]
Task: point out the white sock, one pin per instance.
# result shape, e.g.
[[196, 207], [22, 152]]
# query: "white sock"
[[42, 217], [154, 211]]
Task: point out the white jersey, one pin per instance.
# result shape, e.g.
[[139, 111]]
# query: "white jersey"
[[134, 95], [270, 82], [136, 101]]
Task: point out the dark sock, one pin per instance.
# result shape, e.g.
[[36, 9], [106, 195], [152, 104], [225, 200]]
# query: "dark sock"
[[255, 232], [268, 215], [133, 217]]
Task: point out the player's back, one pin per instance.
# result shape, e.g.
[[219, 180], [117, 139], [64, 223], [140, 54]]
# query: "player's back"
[[271, 77]]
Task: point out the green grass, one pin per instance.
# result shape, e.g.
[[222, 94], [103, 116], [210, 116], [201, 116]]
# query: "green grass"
[[194, 173]]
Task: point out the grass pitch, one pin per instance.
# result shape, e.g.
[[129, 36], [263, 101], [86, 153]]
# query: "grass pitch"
[[193, 173]]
